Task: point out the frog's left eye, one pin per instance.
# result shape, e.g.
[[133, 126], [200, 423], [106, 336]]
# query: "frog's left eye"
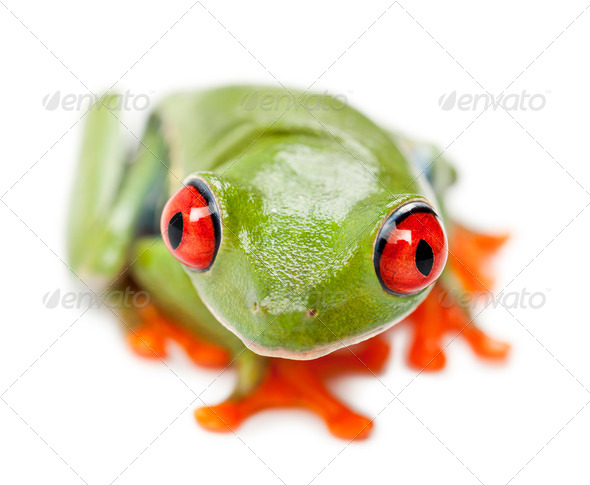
[[410, 250], [190, 226]]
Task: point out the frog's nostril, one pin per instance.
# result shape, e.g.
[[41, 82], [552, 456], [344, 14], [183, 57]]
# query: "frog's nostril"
[[259, 308]]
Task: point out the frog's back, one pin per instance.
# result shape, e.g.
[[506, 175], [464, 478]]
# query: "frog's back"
[[208, 129]]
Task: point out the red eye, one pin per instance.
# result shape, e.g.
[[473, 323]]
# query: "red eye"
[[411, 249], [190, 226]]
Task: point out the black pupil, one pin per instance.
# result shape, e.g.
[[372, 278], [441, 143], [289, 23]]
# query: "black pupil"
[[175, 230], [424, 257]]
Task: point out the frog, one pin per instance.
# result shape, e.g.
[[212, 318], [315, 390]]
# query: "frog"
[[278, 240]]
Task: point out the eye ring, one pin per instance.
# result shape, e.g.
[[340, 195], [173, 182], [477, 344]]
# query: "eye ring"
[[410, 249], [191, 227]]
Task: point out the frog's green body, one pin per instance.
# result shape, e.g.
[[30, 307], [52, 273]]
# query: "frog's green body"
[[301, 194]]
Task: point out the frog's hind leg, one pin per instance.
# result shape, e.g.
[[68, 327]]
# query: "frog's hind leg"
[[441, 314], [301, 384], [114, 195]]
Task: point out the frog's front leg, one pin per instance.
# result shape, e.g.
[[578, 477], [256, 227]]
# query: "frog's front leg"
[[151, 336], [287, 383], [442, 315]]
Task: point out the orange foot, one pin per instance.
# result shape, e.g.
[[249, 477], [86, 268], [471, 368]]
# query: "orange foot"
[[433, 320], [289, 383], [440, 314], [150, 339]]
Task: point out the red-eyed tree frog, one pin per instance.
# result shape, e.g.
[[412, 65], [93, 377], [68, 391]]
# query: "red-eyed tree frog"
[[279, 238]]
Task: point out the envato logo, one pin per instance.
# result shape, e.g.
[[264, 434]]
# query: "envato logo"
[[127, 298], [511, 300], [281, 101], [126, 101], [510, 102]]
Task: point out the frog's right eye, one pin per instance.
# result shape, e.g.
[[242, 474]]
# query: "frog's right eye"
[[190, 226], [411, 249]]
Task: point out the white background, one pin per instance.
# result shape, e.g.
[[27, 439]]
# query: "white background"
[[78, 407]]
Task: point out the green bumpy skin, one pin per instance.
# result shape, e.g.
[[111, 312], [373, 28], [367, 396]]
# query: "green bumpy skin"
[[301, 196]]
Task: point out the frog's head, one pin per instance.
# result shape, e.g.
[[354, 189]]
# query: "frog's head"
[[299, 279]]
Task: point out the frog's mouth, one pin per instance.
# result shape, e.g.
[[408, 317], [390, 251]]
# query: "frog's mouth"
[[320, 351], [311, 354]]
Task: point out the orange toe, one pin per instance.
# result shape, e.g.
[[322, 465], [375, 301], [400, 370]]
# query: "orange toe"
[[221, 418], [350, 426], [487, 347], [207, 355], [424, 355], [147, 343]]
